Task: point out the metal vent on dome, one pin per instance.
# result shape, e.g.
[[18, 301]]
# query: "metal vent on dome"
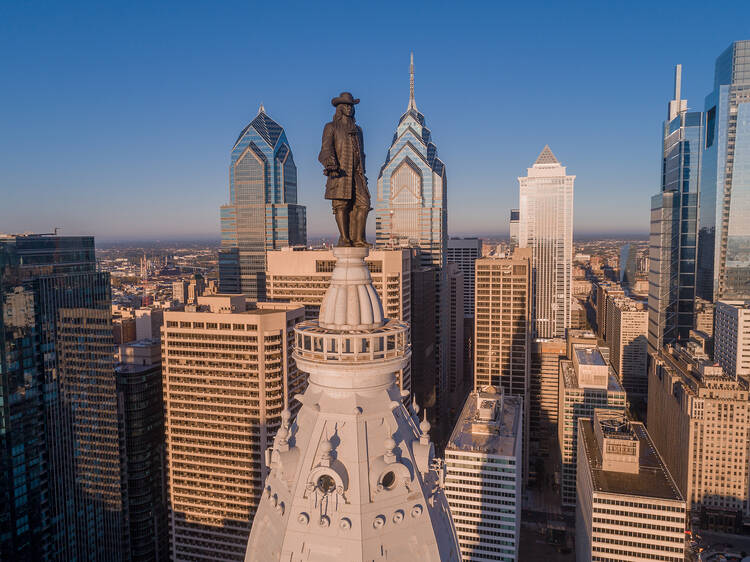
[[546, 157]]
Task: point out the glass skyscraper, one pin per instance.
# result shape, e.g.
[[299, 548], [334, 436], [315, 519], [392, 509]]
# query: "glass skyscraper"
[[262, 213], [673, 232], [724, 229], [411, 207], [546, 226], [411, 210], [60, 479]]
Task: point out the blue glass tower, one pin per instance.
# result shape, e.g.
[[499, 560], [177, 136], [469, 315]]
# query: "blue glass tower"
[[60, 479], [674, 225], [411, 210], [724, 229], [262, 213], [411, 206]]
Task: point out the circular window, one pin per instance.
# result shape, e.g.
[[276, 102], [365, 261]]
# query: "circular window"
[[389, 480], [326, 484]]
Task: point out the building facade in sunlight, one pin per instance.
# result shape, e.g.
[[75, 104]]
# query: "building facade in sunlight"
[[724, 227], [546, 226]]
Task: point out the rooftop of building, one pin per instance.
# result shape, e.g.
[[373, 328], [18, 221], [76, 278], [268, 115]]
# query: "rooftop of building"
[[740, 304], [630, 304], [698, 374], [652, 479], [570, 378], [489, 423], [589, 356]]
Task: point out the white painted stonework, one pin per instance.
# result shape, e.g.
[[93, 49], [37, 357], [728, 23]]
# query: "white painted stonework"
[[353, 477]]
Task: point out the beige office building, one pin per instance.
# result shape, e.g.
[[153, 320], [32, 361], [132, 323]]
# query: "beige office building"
[[699, 419], [302, 276], [704, 316], [502, 323], [732, 337], [228, 374], [629, 508], [627, 337]]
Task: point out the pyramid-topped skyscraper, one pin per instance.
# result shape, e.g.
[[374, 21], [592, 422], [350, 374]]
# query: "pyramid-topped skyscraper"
[[262, 213], [353, 477], [546, 226]]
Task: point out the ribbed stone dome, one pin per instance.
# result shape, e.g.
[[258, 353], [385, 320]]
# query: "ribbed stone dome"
[[351, 302]]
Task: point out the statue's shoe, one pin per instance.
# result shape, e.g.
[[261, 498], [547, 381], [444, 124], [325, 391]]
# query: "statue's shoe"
[[361, 244], [344, 242]]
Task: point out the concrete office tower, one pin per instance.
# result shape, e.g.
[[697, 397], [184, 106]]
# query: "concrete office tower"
[[228, 375], [586, 383], [262, 213], [148, 323], [674, 226], [59, 447], [604, 293], [704, 316], [456, 381], [629, 508], [546, 226], [464, 252], [141, 411], [724, 222], [515, 215], [302, 277], [732, 338], [483, 476], [627, 329], [697, 417], [353, 476], [411, 210], [544, 379], [503, 322]]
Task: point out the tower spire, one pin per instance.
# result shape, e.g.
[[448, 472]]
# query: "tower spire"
[[677, 105], [261, 109], [412, 103]]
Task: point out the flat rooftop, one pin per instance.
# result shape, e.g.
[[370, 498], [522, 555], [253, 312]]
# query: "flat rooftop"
[[570, 379], [501, 440], [589, 356], [652, 480]]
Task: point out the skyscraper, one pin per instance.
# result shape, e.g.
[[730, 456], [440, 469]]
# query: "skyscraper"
[[139, 388], [483, 476], [411, 210], [724, 228], [674, 226], [546, 226], [59, 444], [697, 417], [262, 213], [228, 374], [464, 252], [411, 204], [629, 508]]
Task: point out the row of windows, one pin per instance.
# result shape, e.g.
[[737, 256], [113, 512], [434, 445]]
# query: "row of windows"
[[638, 505]]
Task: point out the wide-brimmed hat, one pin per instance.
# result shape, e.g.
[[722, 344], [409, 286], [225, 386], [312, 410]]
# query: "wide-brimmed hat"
[[346, 98]]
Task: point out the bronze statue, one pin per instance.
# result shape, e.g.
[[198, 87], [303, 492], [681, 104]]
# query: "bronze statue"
[[343, 157]]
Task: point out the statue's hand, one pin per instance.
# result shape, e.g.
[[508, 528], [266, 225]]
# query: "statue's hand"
[[332, 171]]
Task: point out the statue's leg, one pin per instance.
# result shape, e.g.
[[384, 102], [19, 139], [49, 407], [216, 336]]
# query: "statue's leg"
[[360, 211], [341, 212]]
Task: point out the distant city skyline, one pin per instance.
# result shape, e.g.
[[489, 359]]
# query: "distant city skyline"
[[494, 96]]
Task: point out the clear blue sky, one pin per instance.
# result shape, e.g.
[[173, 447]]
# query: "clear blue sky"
[[117, 119]]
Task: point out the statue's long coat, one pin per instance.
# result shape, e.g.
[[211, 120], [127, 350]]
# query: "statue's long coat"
[[337, 149]]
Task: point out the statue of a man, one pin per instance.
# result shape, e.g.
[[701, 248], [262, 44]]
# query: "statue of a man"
[[343, 157]]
